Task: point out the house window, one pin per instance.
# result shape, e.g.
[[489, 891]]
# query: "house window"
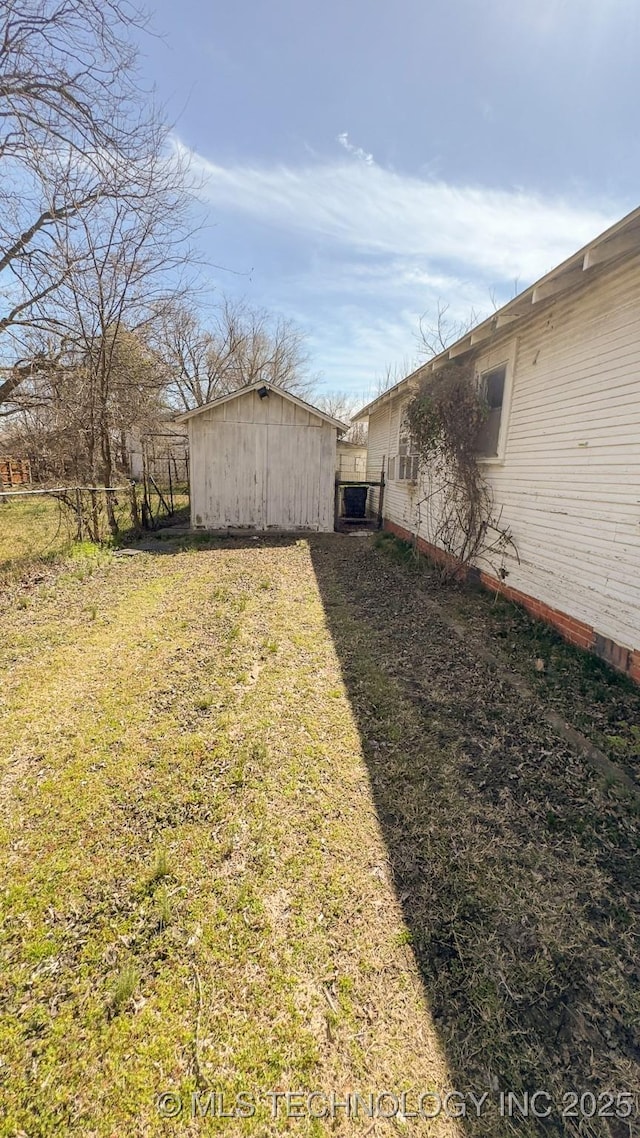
[[492, 386], [405, 466]]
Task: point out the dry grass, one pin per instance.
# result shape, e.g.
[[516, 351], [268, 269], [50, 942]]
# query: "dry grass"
[[517, 864], [34, 533], [264, 826], [195, 889], [591, 696]]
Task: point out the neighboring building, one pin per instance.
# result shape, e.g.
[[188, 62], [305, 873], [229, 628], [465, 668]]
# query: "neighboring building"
[[261, 459], [561, 447], [351, 461]]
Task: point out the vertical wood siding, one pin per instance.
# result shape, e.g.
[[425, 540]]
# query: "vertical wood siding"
[[262, 464]]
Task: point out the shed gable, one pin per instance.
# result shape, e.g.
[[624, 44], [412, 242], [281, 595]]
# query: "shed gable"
[[249, 407]]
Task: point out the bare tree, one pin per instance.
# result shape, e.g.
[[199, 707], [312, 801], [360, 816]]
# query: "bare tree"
[[123, 265], [392, 374], [238, 345], [187, 351], [436, 335], [57, 425], [72, 122], [340, 405]]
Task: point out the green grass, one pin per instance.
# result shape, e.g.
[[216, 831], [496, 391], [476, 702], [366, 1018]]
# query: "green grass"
[[123, 989], [37, 533], [187, 846], [265, 826], [33, 532]]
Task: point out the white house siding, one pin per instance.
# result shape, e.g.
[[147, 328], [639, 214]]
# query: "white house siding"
[[378, 443], [262, 464], [383, 442], [569, 485], [351, 461]]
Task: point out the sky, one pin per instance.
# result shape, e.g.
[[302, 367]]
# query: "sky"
[[361, 162]]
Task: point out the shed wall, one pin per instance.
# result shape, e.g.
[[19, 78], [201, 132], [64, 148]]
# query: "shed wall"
[[262, 464]]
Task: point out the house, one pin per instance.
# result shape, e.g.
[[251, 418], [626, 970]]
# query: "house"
[[561, 446], [351, 460], [262, 459]]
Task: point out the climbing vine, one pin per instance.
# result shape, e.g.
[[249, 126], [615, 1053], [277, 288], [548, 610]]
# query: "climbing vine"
[[452, 501]]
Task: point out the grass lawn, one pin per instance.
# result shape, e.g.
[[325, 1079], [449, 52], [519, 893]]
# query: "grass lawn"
[[33, 533], [265, 828]]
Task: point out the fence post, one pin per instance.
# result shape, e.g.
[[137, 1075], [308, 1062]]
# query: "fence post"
[[94, 527], [170, 485], [147, 513], [79, 512], [135, 514]]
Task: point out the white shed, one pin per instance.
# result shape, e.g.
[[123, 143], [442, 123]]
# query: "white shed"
[[261, 459]]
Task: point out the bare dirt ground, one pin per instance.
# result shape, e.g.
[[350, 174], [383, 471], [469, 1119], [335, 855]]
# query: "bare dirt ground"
[[515, 860]]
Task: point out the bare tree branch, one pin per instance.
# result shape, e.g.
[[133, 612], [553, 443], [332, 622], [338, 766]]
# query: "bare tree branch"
[[74, 130], [238, 346]]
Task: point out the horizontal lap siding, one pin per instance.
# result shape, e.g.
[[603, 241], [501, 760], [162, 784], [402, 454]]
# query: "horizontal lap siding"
[[574, 509], [382, 442], [377, 453]]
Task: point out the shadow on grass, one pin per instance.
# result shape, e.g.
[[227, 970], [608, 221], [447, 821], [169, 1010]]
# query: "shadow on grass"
[[516, 867]]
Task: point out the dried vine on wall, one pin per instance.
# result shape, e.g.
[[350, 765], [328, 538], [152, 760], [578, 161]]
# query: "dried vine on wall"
[[452, 502]]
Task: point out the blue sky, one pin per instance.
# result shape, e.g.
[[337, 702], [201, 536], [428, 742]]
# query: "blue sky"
[[362, 160]]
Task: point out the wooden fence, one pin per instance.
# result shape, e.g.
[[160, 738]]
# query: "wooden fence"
[[14, 472]]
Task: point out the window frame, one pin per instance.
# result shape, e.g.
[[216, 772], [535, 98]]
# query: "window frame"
[[404, 458], [490, 361]]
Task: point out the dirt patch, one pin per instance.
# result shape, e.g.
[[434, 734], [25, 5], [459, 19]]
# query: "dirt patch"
[[516, 863]]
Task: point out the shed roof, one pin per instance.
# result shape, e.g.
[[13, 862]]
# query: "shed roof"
[[270, 387], [618, 242]]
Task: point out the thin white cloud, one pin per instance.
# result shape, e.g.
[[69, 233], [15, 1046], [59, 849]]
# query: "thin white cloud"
[[357, 151], [553, 17], [399, 280], [376, 249], [500, 235], [354, 347]]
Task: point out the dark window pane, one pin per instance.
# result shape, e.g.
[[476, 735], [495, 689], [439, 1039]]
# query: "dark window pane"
[[488, 434], [493, 391], [493, 382]]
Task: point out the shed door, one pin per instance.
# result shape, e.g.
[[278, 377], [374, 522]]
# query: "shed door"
[[262, 475], [247, 459], [234, 473], [294, 469]]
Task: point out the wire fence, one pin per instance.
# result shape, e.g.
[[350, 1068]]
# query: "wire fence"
[[91, 513]]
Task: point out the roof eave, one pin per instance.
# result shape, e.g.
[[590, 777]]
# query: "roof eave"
[[618, 242]]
